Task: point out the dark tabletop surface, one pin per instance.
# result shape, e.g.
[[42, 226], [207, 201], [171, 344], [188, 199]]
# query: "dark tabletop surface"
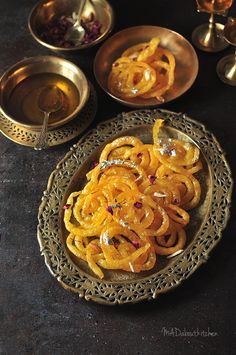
[[37, 315]]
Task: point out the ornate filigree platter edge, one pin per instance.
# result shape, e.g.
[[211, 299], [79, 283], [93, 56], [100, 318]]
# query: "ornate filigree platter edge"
[[110, 293]]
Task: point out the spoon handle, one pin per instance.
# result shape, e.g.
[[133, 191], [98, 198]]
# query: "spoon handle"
[[68, 35], [42, 141], [80, 9]]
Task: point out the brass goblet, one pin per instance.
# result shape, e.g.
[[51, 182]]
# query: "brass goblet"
[[226, 67], [209, 37]]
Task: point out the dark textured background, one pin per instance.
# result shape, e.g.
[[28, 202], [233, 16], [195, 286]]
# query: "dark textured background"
[[37, 315]]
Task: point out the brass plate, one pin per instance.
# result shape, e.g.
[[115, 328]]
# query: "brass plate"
[[186, 60], [204, 232], [63, 134]]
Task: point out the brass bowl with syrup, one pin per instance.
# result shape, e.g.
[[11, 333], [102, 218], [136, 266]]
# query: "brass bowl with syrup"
[[48, 10], [21, 85], [186, 69]]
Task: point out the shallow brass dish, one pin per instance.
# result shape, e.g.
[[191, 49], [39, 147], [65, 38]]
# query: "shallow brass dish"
[[27, 137], [18, 102], [186, 60], [205, 229], [46, 10]]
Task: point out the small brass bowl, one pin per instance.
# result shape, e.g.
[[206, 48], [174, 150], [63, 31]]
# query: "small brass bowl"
[[185, 56], [48, 10], [20, 87]]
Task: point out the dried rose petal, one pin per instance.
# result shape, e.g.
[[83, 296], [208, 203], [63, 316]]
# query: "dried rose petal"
[[138, 204], [67, 205], [54, 32], [136, 244], [92, 30], [152, 178], [136, 174], [139, 155], [116, 243], [176, 201], [110, 210]]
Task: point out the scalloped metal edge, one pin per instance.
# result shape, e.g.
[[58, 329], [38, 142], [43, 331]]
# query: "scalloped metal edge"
[[152, 290]]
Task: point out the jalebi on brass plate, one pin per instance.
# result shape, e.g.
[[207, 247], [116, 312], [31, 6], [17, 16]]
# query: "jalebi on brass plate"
[[186, 59], [204, 231]]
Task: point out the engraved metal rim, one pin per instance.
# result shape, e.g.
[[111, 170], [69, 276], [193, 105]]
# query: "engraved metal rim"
[[27, 137], [56, 256]]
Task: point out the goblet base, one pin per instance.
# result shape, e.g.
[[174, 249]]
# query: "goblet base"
[[209, 39], [226, 69]]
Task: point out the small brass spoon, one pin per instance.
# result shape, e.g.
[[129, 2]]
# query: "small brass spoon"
[[76, 32], [50, 100]]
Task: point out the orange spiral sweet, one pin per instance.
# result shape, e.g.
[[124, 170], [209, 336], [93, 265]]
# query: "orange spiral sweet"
[[134, 205], [144, 70]]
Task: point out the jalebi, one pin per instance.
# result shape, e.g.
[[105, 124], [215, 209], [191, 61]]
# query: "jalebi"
[[144, 70], [134, 205]]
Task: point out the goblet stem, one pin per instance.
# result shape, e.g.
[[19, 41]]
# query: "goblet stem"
[[211, 36], [212, 24]]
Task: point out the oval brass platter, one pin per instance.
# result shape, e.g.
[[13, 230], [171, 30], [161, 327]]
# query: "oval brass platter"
[[204, 231]]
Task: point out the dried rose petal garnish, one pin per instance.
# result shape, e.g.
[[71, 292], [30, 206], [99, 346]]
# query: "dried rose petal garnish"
[[138, 204], [152, 178], [55, 31], [139, 155], [136, 244], [92, 30], [116, 243], [110, 210], [66, 206]]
